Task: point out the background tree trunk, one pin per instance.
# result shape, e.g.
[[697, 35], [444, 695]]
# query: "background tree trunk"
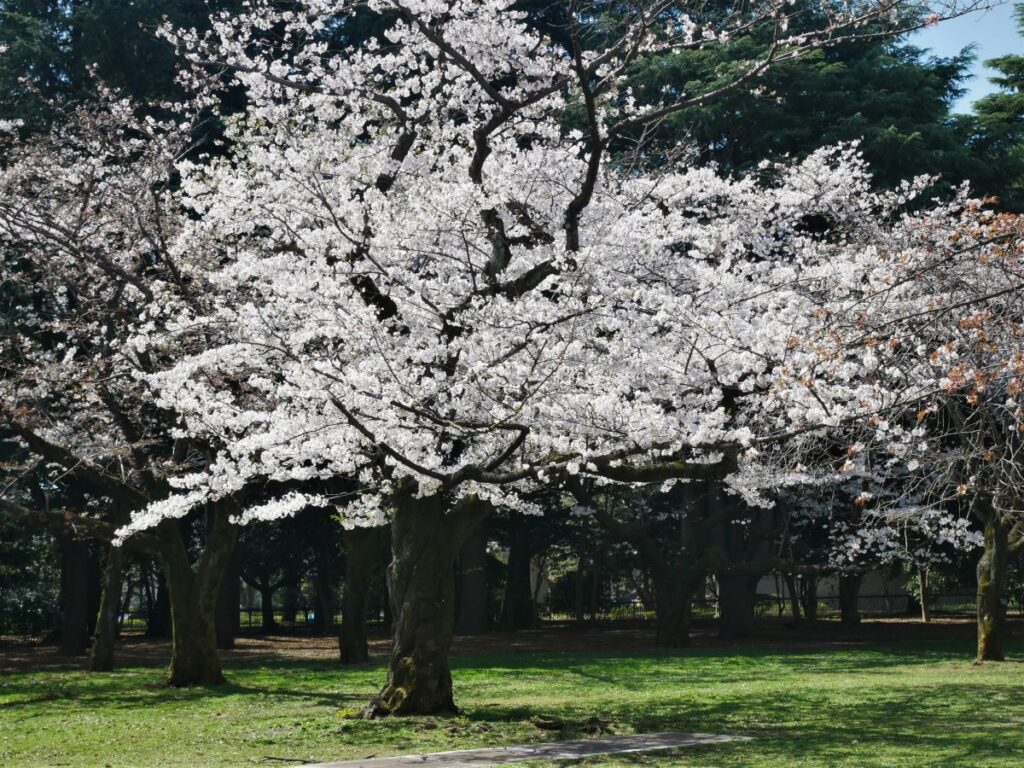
[[926, 613], [517, 607], [362, 552], [228, 598], [471, 617], [158, 619], [737, 599], [673, 595], [102, 659], [809, 596], [74, 591], [849, 598], [267, 623]]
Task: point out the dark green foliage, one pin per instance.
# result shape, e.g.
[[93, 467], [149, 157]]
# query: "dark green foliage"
[[29, 581], [997, 129], [54, 46], [888, 95]]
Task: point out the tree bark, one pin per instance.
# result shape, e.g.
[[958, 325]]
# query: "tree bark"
[[794, 598], [737, 599], [672, 595], [158, 619], [849, 598], [193, 596], [102, 659], [809, 596], [993, 573], [228, 598], [362, 551], [324, 587], [267, 624], [471, 616], [926, 612], [517, 607], [425, 538], [74, 591]]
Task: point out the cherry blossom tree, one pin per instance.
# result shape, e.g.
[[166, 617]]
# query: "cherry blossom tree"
[[953, 317], [87, 215], [438, 266]]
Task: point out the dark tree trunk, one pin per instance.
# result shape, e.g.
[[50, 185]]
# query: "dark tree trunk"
[[517, 607], [993, 572], [268, 623], [672, 605], [290, 603], [158, 620], [102, 659], [794, 598], [228, 598], [193, 597], [581, 553], [74, 590], [323, 588], [471, 617], [95, 581], [362, 552], [809, 597], [421, 581], [737, 599], [849, 598]]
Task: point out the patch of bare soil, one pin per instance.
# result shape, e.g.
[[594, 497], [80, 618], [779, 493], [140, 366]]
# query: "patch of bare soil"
[[32, 653]]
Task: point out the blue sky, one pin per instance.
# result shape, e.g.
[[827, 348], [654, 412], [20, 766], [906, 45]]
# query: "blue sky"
[[993, 33]]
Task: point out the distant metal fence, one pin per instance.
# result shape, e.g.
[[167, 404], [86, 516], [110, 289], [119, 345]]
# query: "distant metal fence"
[[885, 605]]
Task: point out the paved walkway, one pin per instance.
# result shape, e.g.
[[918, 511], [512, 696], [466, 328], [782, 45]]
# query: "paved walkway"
[[559, 750]]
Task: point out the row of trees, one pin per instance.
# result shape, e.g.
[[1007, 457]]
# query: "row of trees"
[[417, 262]]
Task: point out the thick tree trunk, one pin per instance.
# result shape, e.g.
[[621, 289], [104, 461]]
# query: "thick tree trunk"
[[421, 581], [193, 596], [737, 599], [74, 591], [268, 624], [471, 616], [362, 551], [517, 607], [102, 659], [993, 572], [849, 598]]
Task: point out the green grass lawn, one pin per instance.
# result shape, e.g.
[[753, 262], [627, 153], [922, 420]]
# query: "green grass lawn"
[[918, 704]]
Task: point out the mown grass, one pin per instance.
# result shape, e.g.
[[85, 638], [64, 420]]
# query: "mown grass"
[[894, 706]]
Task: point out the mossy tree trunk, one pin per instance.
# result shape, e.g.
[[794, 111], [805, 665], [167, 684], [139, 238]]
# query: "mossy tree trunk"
[[993, 574], [425, 537], [193, 596]]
